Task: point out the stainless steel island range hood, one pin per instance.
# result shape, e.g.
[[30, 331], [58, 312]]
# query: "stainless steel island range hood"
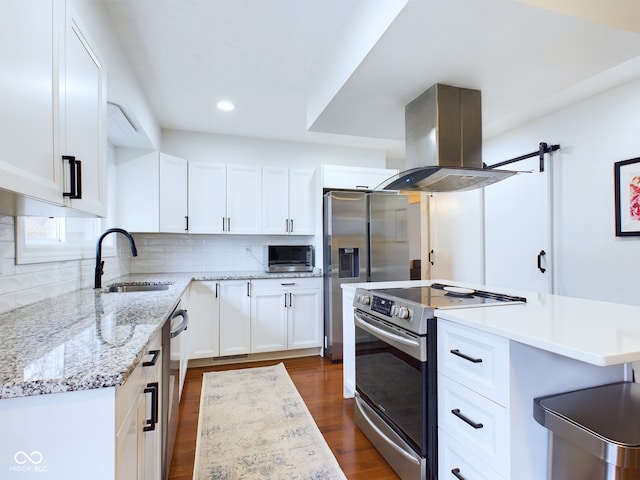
[[443, 132]]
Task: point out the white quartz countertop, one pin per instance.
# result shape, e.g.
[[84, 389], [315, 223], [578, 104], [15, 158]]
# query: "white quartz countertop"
[[595, 332], [89, 338]]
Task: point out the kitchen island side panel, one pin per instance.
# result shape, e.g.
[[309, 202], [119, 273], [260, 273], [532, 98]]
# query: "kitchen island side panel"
[[59, 436]]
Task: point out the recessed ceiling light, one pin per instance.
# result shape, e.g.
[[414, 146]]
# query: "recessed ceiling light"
[[225, 105]]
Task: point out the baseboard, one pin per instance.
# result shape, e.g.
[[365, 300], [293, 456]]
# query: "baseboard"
[[255, 357]]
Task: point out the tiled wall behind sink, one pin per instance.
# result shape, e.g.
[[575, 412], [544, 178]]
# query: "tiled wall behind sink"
[[159, 253], [28, 283]]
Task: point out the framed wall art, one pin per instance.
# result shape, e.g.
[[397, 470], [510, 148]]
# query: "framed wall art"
[[627, 193]]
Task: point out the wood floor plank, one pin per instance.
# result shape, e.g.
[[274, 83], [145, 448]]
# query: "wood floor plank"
[[320, 384]]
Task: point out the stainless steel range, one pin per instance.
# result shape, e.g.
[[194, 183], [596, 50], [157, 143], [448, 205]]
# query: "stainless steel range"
[[396, 372]]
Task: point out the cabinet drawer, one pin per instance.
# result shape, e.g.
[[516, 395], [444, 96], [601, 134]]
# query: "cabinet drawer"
[[475, 359], [475, 421], [456, 462]]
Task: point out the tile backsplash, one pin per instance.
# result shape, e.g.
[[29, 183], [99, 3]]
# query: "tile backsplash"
[[157, 253], [24, 284]]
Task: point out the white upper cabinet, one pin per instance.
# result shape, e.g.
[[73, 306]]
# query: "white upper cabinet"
[[207, 197], [151, 193], [138, 193], [83, 117], [28, 94], [354, 178], [173, 194], [288, 201], [244, 195], [53, 101]]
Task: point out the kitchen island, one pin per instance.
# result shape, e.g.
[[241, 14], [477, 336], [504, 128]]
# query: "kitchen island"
[[65, 363], [550, 344]]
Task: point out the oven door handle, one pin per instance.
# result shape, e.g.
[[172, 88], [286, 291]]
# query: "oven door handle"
[[378, 332]]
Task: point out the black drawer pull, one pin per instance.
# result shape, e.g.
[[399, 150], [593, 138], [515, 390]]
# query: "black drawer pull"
[[152, 388], [456, 473], [154, 359], [457, 353], [456, 412]]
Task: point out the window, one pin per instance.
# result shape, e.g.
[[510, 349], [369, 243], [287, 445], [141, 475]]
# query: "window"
[[50, 239]]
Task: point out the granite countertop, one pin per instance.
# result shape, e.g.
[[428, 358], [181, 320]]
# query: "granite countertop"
[[89, 338], [595, 332]]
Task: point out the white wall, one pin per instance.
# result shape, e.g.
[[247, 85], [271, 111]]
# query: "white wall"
[[250, 151], [589, 260]]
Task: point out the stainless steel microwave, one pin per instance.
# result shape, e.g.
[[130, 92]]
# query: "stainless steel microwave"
[[289, 258]]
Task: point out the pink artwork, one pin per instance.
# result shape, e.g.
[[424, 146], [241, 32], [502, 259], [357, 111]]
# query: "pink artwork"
[[634, 198], [627, 197]]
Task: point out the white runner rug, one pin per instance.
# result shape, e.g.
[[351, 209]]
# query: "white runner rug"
[[254, 424]]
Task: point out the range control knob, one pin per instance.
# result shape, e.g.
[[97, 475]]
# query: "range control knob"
[[404, 313], [363, 299]]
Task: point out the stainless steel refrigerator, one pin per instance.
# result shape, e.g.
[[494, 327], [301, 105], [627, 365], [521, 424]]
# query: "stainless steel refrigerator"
[[365, 240]]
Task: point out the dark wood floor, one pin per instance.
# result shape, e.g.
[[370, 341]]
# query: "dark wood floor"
[[320, 385]]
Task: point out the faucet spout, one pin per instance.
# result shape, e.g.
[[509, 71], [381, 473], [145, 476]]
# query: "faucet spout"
[[99, 262]]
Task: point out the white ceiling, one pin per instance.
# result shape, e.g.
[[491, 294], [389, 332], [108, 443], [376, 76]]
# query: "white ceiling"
[[341, 71]]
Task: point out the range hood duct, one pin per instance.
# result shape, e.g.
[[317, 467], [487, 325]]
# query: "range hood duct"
[[443, 133]]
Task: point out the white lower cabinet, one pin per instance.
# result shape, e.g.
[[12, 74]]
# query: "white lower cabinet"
[[457, 462], [472, 388], [219, 318], [237, 317], [204, 320], [138, 424], [486, 387], [285, 314]]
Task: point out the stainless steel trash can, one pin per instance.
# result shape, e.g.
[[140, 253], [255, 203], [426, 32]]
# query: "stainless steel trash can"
[[594, 434]]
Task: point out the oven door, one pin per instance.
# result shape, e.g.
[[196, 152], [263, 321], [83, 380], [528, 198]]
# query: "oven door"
[[396, 396], [391, 376]]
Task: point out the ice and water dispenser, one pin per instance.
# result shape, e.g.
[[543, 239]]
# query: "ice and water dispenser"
[[349, 262]]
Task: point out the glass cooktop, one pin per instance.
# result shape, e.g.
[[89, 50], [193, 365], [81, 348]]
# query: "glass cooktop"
[[439, 296]]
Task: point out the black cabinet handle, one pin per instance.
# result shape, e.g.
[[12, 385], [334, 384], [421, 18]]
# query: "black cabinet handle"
[[154, 359], [456, 473], [457, 353], [291, 229], [186, 223], [290, 299], [75, 177], [456, 412], [431, 256], [541, 254], [152, 388], [285, 300]]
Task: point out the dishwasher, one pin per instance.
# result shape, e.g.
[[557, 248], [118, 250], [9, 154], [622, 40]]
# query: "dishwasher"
[[174, 369]]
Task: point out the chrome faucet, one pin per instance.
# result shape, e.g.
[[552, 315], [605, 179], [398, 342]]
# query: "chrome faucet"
[[100, 262]]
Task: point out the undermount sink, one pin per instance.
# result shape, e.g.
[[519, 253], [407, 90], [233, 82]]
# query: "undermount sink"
[[152, 287]]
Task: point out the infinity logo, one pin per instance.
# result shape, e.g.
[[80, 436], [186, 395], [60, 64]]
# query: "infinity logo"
[[21, 457]]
